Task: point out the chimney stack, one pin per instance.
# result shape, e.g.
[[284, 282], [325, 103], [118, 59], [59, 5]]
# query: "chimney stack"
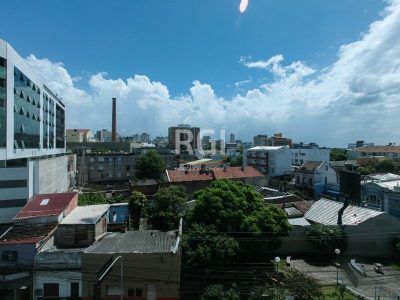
[[114, 120]]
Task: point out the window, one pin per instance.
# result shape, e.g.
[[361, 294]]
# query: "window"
[[373, 200], [3, 83], [326, 167], [74, 290], [310, 181], [139, 292], [131, 292], [9, 256], [2, 62], [50, 290], [326, 180]]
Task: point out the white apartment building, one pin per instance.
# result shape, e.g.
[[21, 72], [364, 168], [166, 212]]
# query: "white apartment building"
[[301, 155], [270, 160]]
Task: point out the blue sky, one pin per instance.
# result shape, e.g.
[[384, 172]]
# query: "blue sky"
[[194, 55]]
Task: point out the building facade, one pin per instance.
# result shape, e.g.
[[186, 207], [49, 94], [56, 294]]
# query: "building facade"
[[80, 135], [260, 140], [311, 152], [270, 160], [32, 130]]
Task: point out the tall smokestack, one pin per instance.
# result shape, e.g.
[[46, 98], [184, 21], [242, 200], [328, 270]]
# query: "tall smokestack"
[[114, 120]]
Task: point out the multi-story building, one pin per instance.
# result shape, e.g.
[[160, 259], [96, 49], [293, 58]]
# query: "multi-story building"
[[145, 138], [279, 140], [104, 135], [382, 192], [310, 152], [32, 131], [232, 138], [80, 135], [270, 160], [260, 140], [183, 132]]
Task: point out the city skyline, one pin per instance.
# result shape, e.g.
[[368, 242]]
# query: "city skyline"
[[306, 85]]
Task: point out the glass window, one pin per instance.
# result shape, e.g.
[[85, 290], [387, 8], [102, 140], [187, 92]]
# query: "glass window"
[[50, 290], [9, 256]]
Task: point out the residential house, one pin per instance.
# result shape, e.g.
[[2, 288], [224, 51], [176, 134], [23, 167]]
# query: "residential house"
[[317, 176], [18, 247], [47, 208], [150, 262], [382, 192], [83, 226], [58, 272], [195, 179], [371, 151]]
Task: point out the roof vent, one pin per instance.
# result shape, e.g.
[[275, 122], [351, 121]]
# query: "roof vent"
[[44, 202]]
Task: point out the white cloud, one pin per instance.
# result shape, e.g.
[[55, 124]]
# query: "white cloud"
[[357, 97]]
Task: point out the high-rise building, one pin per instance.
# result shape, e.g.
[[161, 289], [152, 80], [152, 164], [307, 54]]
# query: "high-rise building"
[[145, 137], [183, 131], [279, 140], [32, 127], [104, 136], [232, 138], [260, 140]]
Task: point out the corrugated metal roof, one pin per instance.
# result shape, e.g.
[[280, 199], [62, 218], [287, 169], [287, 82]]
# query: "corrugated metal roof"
[[136, 242], [326, 212], [45, 205], [298, 222], [384, 177], [293, 212], [86, 214]]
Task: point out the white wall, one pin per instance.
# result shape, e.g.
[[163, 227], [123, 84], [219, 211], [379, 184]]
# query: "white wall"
[[314, 154], [63, 278], [50, 175], [280, 162]]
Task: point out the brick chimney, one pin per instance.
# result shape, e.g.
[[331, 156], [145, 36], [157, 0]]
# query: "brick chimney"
[[114, 120]]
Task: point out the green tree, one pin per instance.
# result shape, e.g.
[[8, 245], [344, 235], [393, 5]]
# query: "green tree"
[[239, 211], [366, 170], [302, 286], [203, 246], [217, 292], [91, 199], [169, 205], [150, 166], [327, 238], [337, 154], [385, 165], [137, 202]]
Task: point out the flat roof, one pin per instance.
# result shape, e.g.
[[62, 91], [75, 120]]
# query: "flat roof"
[[267, 148], [90, 214]]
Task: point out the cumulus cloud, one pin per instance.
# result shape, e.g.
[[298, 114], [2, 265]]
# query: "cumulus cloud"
[[356, 97]]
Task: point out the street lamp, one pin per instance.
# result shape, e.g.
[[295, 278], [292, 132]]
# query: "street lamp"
[[337, 252], [277, 260]]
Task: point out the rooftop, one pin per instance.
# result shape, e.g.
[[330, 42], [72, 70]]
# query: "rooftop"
[[379, 149], [326, 212], [45, 205], [27, 234], [384, 177], [217, 173], [90, 214], [267, 148], [311, 165], [136, 242]]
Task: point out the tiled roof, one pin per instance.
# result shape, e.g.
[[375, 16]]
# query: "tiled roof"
[[37, 206], [310, 165], [326, 212], [302, 205], [136, 242], [219, 173], [379, 149], [90, 214], [27, 234]]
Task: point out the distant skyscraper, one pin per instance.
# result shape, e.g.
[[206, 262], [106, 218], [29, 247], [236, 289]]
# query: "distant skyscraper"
[[232, 138], [145, 137]]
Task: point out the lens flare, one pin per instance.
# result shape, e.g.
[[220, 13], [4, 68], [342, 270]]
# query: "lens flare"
[[243, 5]]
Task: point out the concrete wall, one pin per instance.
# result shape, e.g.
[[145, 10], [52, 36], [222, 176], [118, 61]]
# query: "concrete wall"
[[26, 254], [51, 175], [300, 155], [140, 271]]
